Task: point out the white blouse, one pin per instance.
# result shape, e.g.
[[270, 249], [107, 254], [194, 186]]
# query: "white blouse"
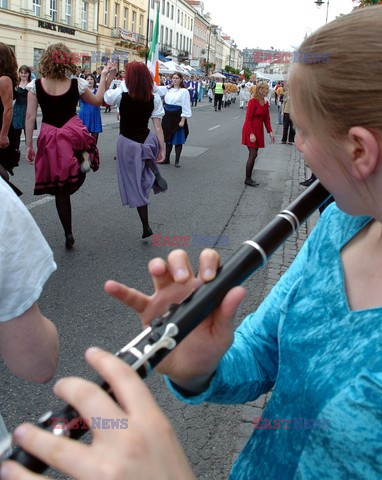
[[113, 96], [81, 82], [177, 96]]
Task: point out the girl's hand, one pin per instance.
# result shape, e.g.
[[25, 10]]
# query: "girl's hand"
[[30, 155], [182, 122], [161, 156], [137, 441], [196, 358], [252, 138], [272, 137], [4, 141]]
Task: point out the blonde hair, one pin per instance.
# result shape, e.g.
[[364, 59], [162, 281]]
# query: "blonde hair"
[[257, 93], [344, 90], [57, 61]]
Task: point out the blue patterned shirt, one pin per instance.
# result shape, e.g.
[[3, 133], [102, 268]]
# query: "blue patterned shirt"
[[324, 418]]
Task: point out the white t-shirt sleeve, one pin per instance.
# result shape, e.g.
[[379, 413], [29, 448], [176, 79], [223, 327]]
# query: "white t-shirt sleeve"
[[31, 87], [113, 96], [161, 90], [158, 111], [82, 85], [26, 260], [186, 104]]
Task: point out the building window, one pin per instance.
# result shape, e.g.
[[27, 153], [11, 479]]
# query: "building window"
[[36, 6], [178, 15], [133, 20], [106, 12], [168, 9], [163, 6], [53, 10], [170, 43], [84, 15], [191, 24], [152, 3], [161, 34], [68, 11], [37, 54], [166, 37], [3, 3], [140, 24], [151, 28], [86, 62], [116, 9], [182, 19], [177, 40], [125, 18], [172, 12]]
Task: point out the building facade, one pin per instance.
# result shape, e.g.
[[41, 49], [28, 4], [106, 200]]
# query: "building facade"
[[30, 26], [176, 28], [94, 30], [120, 30]]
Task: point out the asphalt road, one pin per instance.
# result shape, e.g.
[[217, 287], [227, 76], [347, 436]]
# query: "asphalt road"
[[207, 197]]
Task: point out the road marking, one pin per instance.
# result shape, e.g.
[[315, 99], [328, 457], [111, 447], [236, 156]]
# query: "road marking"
[[39, 202], [235, 118], [213, 128]]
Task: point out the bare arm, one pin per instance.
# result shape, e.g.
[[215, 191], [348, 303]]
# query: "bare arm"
[[29, 125], [157, 122], [29, 346], [97, 99], [6, 96], [30, 118]]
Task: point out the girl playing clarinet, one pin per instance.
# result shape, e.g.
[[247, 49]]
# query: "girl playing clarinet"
[[315, 340]]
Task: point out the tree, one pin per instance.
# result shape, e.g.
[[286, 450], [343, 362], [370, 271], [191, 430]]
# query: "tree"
[[366, 3]]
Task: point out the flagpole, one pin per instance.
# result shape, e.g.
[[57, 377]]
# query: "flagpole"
[[147, 30], [154, 49], [155, 33]]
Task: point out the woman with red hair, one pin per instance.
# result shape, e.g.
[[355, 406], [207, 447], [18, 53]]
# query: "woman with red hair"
[[138, 149]]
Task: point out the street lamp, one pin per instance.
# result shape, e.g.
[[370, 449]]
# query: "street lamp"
[[210, 28], [319, 4]]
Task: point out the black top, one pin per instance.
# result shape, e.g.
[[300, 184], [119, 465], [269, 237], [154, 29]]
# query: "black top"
[[58, 109], [135, 116]]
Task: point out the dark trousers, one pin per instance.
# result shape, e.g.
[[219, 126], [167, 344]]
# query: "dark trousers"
[[288, 125], [218, 100]]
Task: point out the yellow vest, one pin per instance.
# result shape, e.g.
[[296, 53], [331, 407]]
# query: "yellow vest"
[[219, 88]]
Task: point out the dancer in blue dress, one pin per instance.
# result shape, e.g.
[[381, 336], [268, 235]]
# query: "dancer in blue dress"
[[90, 114]]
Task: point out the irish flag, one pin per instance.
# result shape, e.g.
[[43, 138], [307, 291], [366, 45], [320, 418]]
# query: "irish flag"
[[154, 51]]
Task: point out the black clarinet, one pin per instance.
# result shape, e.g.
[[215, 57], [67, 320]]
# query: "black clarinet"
[[168, 330]]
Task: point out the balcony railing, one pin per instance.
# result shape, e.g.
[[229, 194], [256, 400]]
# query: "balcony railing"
[[128, 36], [183, 54], [165, 48]]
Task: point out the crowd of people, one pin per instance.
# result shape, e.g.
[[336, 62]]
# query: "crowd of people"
[[315, 340]]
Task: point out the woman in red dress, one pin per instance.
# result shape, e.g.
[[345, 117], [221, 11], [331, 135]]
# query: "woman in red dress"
[[253, 131]]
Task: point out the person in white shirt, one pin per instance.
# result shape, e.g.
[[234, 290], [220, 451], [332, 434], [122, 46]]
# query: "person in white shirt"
[[177, 107], [28, 340]]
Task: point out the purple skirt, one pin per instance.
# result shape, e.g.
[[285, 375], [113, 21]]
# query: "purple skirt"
[[135, 177]]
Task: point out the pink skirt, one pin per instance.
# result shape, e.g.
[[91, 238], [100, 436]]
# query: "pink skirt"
[[59, 152]]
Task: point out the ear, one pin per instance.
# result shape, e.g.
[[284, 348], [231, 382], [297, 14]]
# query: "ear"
[[364, 150]]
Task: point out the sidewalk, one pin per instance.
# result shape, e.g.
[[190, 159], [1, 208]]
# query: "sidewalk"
[[280, 260]]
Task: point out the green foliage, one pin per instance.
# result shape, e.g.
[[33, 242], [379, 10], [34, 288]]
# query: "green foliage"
[[230, 69], [366, 3]]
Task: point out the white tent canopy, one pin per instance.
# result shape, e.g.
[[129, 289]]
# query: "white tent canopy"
[[217, 75], [274, 77], [172, 67]]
